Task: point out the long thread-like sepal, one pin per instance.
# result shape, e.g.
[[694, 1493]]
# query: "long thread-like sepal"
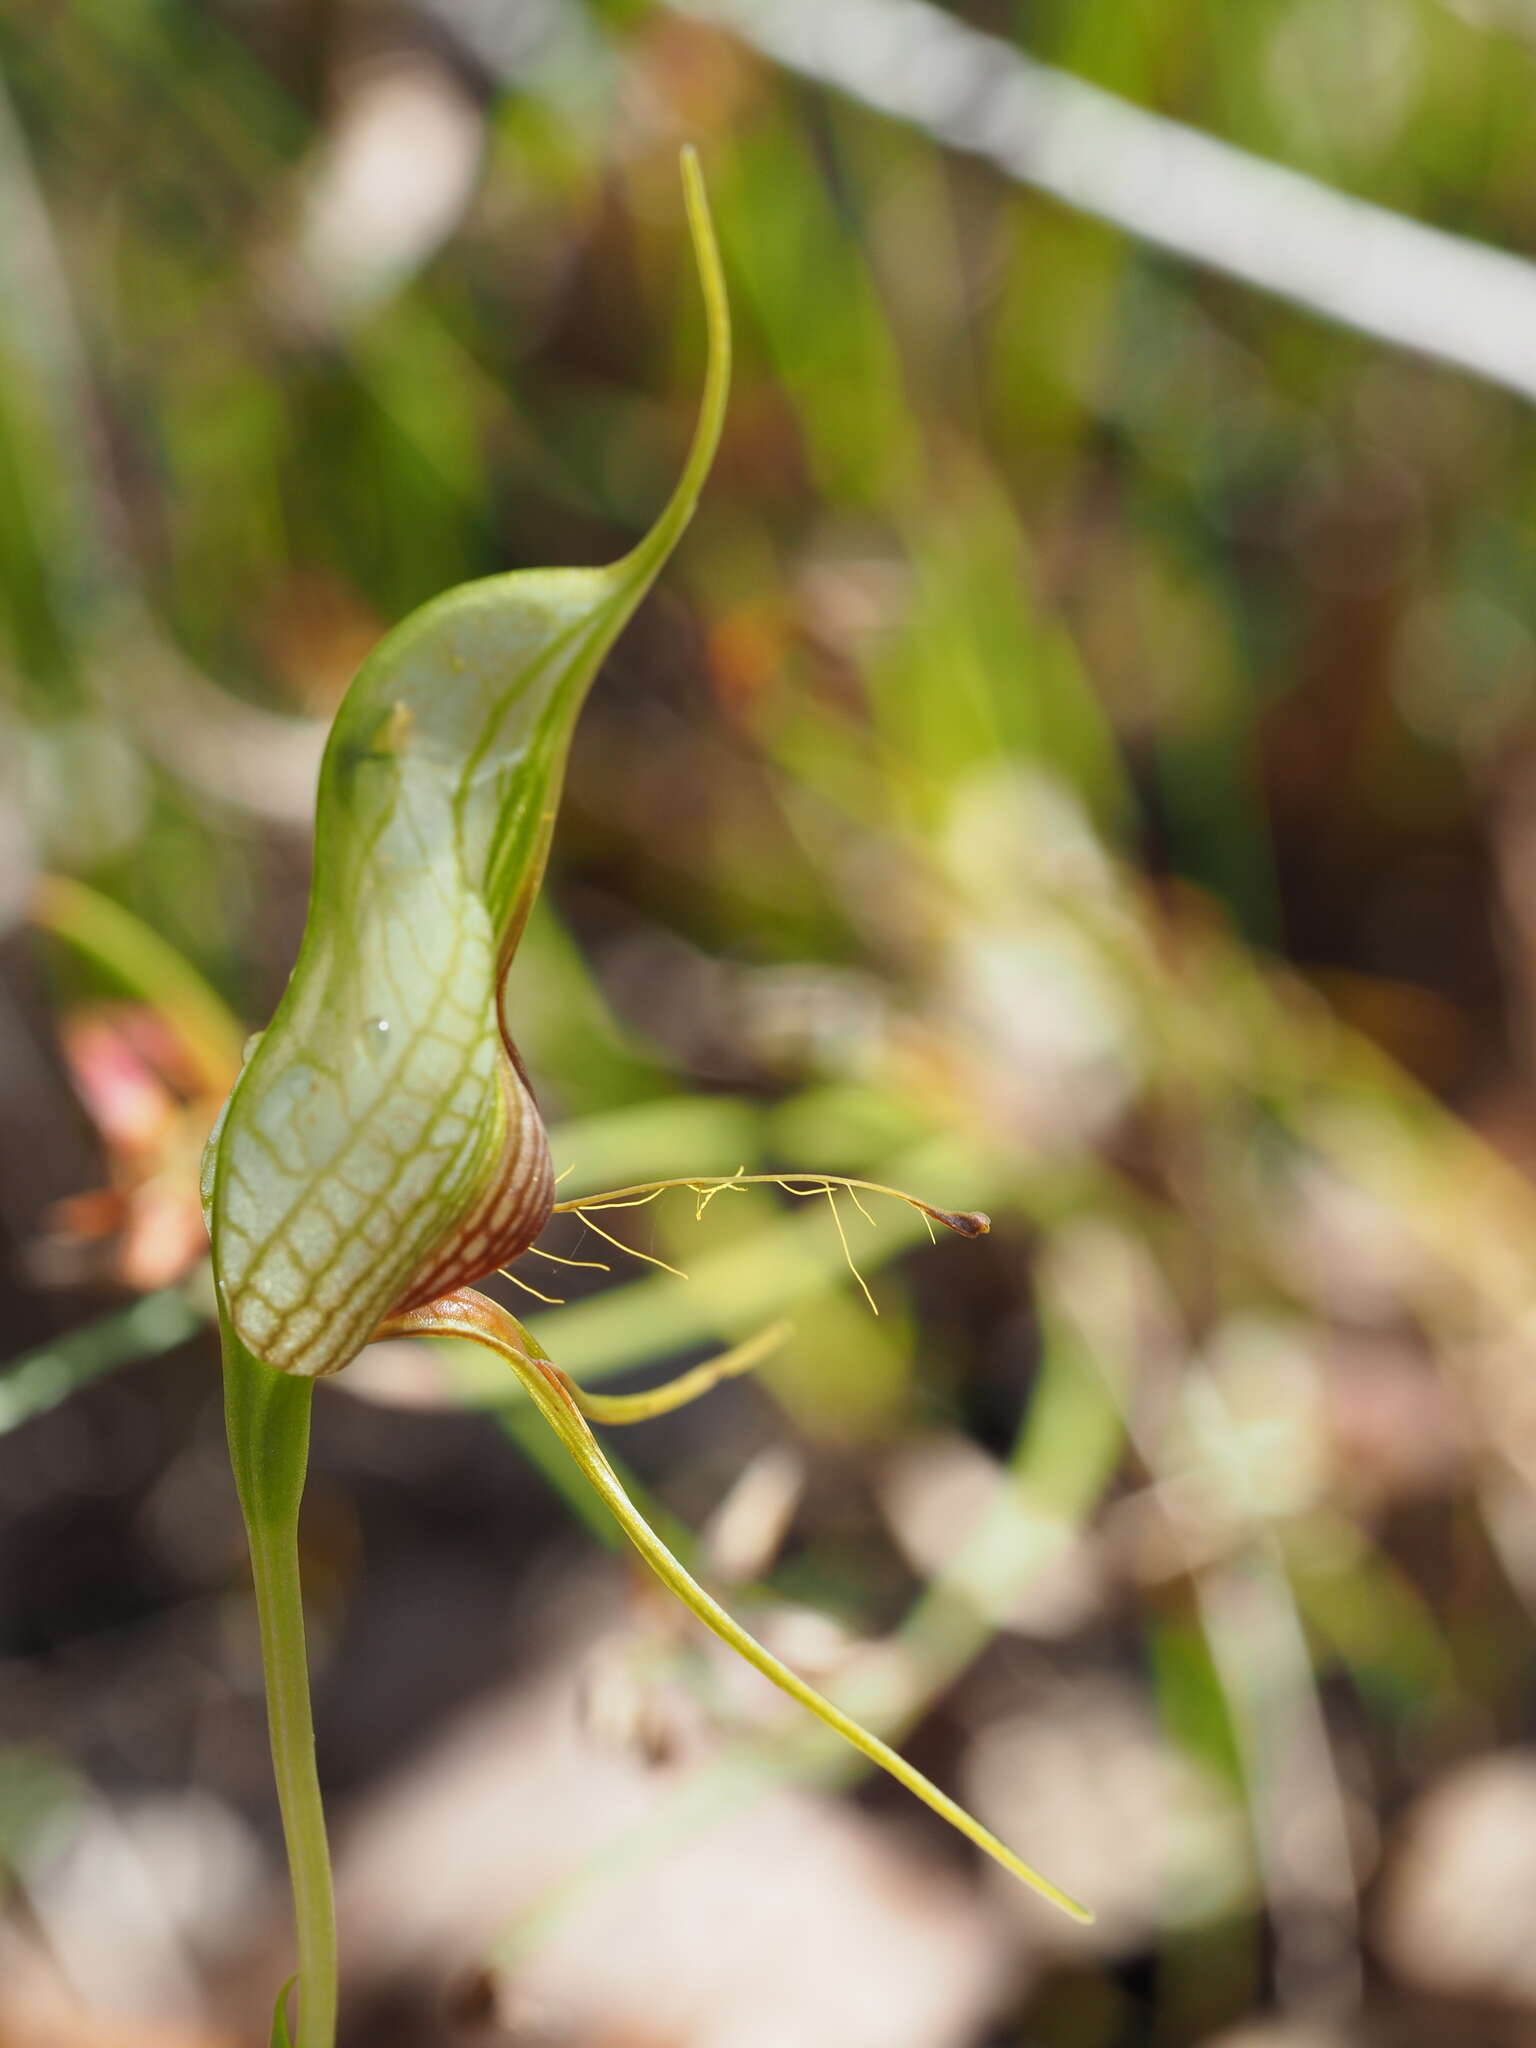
[[467, 1314]]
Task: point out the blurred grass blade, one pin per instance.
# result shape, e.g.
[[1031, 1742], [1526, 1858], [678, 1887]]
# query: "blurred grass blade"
[[125, 948], [43, 1378], [1375, 270], [281, 2038]]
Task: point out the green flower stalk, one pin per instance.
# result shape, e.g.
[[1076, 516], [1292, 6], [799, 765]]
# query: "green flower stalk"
[[381, 1149]]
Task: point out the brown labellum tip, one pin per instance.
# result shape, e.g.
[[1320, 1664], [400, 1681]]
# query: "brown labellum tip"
[[964, 1222]]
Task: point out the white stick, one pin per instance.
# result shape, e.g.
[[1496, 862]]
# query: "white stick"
[[1413, 286]]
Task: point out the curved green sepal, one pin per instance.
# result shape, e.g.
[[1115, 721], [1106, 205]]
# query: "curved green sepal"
[[467, 1314], [281, 2038], [381, 1146]]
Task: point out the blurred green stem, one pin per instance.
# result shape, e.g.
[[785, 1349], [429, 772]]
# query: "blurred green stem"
[[267, 1415]]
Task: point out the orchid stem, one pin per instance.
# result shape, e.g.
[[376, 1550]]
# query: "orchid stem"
[[267, 1416]]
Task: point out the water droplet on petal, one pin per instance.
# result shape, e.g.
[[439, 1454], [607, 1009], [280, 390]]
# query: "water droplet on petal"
[[376, 1035]]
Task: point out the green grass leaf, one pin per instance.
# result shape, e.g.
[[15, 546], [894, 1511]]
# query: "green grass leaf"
[[281, 2038]]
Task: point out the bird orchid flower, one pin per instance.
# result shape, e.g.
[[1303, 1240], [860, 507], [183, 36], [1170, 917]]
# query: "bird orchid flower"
[[381, 1149]]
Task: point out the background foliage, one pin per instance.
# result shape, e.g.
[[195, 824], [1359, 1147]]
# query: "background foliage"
[[1079, 765]]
